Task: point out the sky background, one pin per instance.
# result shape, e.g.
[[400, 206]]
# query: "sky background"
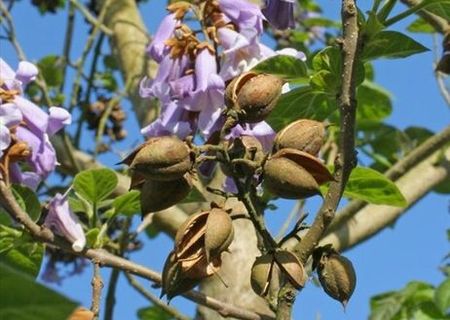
[[411, 250]]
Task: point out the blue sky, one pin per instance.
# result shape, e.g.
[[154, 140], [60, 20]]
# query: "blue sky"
[[412, 249]]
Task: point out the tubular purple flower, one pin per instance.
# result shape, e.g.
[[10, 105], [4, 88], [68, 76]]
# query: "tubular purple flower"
[[261, 131], [280, 13], [58, 118], [157, 48], [26, 72], [245, 15], [61, 220], [10, 116]]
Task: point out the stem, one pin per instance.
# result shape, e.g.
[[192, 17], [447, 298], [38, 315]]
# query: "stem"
[[346, 159], [67, 43], [97, 286], [110, 296], [405, 13]]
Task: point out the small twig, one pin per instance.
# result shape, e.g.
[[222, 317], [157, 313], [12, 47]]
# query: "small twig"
[[67, 44], [97, 286], [154, 299], [440, 24], [296, 210], [97, 23]]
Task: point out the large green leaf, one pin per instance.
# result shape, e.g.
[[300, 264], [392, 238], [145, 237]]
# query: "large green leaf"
[[283, 66], [442, 296], [20, 251], [27, 200], [96, 184], [51, 69], [391, 44], [303, 102], [21, 298], [128, 203], [154, 313], [374, 103], [372, 186]]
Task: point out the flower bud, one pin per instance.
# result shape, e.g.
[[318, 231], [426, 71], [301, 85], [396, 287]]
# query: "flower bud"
[[160, 195], [161, 158], [303, 135], [253, 95]]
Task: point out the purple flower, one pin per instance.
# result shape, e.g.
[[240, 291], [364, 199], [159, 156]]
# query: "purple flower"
[[61, 220], [280, 13], [245, 16], [10, 116], [261, 131], [157, 48]]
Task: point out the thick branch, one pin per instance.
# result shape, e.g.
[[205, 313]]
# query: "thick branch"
[[346, 158], [129, 41], [105, 258], [428, 147], [414, 185]]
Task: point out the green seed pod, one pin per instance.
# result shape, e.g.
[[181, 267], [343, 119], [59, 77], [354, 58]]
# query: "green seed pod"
[[303, 135], [160, 195], [337, 276], [161, 158]]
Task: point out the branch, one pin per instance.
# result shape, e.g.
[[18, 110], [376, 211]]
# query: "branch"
[[440, 24], [104, 258], [370, 220], [128, 45], [346, 159], [97, 286], [154, 299], [420, 153]]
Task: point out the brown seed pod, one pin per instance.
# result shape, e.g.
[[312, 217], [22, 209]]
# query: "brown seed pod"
[[337, 276], [303, 135], [161, 158], [160, 195], [190, 236], [219, 232], [292, 267], [286, 179], [261, 274], [312, 164], [173, 280], [253, 95]]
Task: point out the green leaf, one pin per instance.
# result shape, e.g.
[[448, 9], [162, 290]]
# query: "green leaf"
[[284, 66], [96, 184], [442, 296], [391, 44], [51, 69], [91, 237], [371, 186], [27, 200], [420, 26], [438, 7], [385, 306], [20, 251], [154, 313], [303, 102], [21, 298], [374, 103], [128, 203]]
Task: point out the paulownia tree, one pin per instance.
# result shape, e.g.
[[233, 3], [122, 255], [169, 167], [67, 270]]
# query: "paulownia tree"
[[230, 126]]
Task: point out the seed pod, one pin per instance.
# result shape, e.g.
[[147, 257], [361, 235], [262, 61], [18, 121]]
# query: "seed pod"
[[219, 232], [337, 276], [161, 158], [292, 267], [173, 280], [160, 195], [261, 274], [247, 152], [303, 135], [253, 95], [190, 237]]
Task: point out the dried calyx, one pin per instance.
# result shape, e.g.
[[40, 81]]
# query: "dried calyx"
[[303, 135], [295, 174], [269, 267], [246, 154], [199, 243], [336, 274], [253, 96]]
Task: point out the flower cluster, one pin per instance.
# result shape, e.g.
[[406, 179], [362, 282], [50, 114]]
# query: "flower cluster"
[[194, 67], [25, 128]]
